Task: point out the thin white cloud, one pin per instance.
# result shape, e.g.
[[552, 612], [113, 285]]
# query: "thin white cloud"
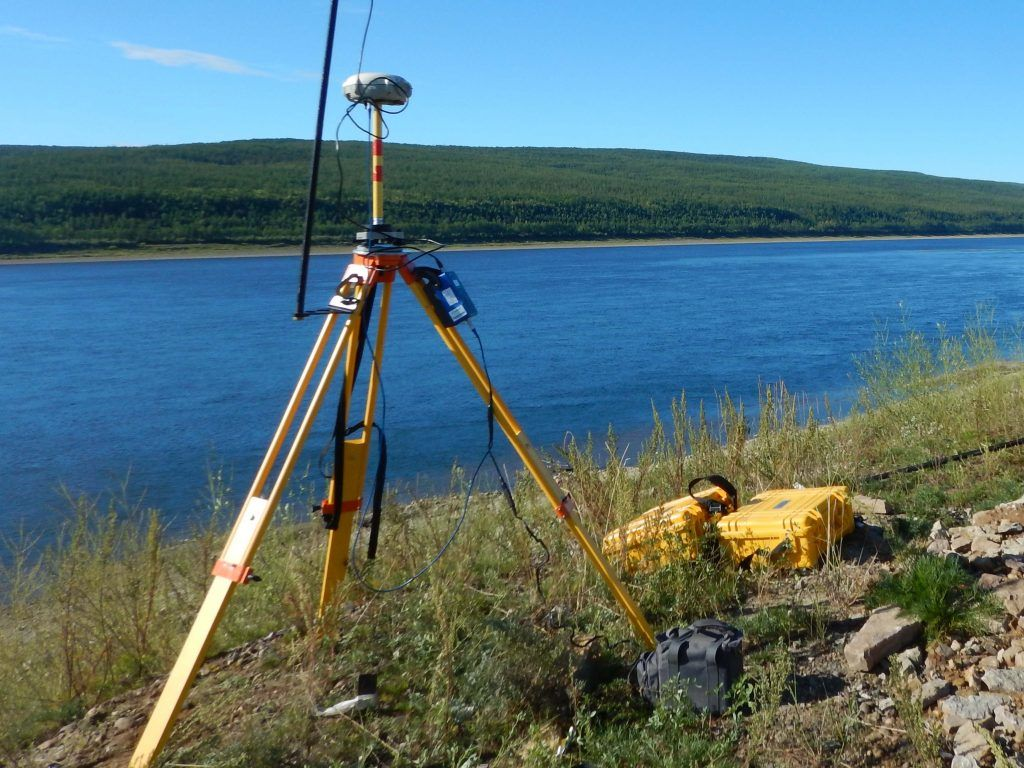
[[28, 34], [172, 57]]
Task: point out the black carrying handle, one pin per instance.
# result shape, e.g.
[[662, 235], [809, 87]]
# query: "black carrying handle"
[[711, 506]]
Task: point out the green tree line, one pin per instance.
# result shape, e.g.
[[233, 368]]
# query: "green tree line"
[[253, 192]]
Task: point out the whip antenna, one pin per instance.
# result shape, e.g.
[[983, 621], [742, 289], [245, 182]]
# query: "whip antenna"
[[314, 170]]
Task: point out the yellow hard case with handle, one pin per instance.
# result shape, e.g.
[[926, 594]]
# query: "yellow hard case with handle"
[[791, 528]]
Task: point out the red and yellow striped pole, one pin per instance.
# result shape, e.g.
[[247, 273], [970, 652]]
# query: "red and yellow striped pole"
[[377, 166]]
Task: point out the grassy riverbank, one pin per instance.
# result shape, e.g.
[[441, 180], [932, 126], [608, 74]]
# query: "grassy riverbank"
[[504, 646]]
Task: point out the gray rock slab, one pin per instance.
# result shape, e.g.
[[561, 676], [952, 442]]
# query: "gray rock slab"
[[979, 709], [887, 631], [1004, 680], [934, 690], [986, 546], [868, 505]]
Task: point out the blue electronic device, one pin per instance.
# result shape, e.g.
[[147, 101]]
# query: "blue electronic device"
[[447, 294]]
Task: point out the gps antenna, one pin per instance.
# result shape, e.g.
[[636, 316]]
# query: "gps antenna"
[[314, 170]]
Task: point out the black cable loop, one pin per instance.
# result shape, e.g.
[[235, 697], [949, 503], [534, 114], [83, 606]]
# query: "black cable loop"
[[538, 567]]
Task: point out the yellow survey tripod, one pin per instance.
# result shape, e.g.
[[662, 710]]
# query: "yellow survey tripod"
[[377, 261]]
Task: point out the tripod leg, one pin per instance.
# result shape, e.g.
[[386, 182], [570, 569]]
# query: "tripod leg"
[[234, 566], [560, 501], [356, 458]]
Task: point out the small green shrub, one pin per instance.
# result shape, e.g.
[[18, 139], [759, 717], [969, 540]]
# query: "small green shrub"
[[938, 591]]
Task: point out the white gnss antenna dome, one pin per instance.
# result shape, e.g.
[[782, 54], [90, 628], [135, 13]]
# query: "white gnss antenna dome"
[[377, 88]]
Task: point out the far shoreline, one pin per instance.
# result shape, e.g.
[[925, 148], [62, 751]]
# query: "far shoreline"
[[213, 251]]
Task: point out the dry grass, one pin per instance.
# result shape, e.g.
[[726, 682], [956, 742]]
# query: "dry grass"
[[475, 663]]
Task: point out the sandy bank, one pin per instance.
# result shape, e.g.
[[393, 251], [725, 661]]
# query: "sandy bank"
[[243, 252]]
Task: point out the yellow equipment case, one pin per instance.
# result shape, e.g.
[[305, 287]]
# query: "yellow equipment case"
[[790, 527], [670, 531]]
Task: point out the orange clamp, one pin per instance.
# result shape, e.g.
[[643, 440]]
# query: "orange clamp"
[[565, 508], [240, 573]]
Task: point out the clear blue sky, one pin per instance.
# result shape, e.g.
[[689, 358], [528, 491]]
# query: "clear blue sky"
[[926, 86]]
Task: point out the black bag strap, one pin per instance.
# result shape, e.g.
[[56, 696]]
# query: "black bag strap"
[[340, 432], [713, 506]]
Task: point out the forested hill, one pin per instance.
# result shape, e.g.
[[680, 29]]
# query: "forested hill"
[[253, 192]]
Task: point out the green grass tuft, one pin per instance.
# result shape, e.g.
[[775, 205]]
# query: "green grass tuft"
[[939, 592]]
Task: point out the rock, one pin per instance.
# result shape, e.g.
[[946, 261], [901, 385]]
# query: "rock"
[[910, 660], [934, 690], [886, 704], [886, 632], [1013, 547], [1011, 722], [971, 742], [1011, 594], [960, 542], [938, 545], [122, 724], [1009, 528], [985, 546], [867, 505], [942, 651], [973, 679], [989, 581], [1014, 563], [979, 709], [1004, 680], [1012, 512]]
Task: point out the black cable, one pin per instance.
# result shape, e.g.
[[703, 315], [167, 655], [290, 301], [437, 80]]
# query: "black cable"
[[940, 461], [488, 454], [540, 566], [362, 46]]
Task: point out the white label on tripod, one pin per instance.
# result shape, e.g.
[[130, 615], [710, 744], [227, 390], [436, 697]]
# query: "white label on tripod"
[[450, 297], [458, 313]]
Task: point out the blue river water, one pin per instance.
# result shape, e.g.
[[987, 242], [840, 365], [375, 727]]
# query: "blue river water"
[[152, 372]]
